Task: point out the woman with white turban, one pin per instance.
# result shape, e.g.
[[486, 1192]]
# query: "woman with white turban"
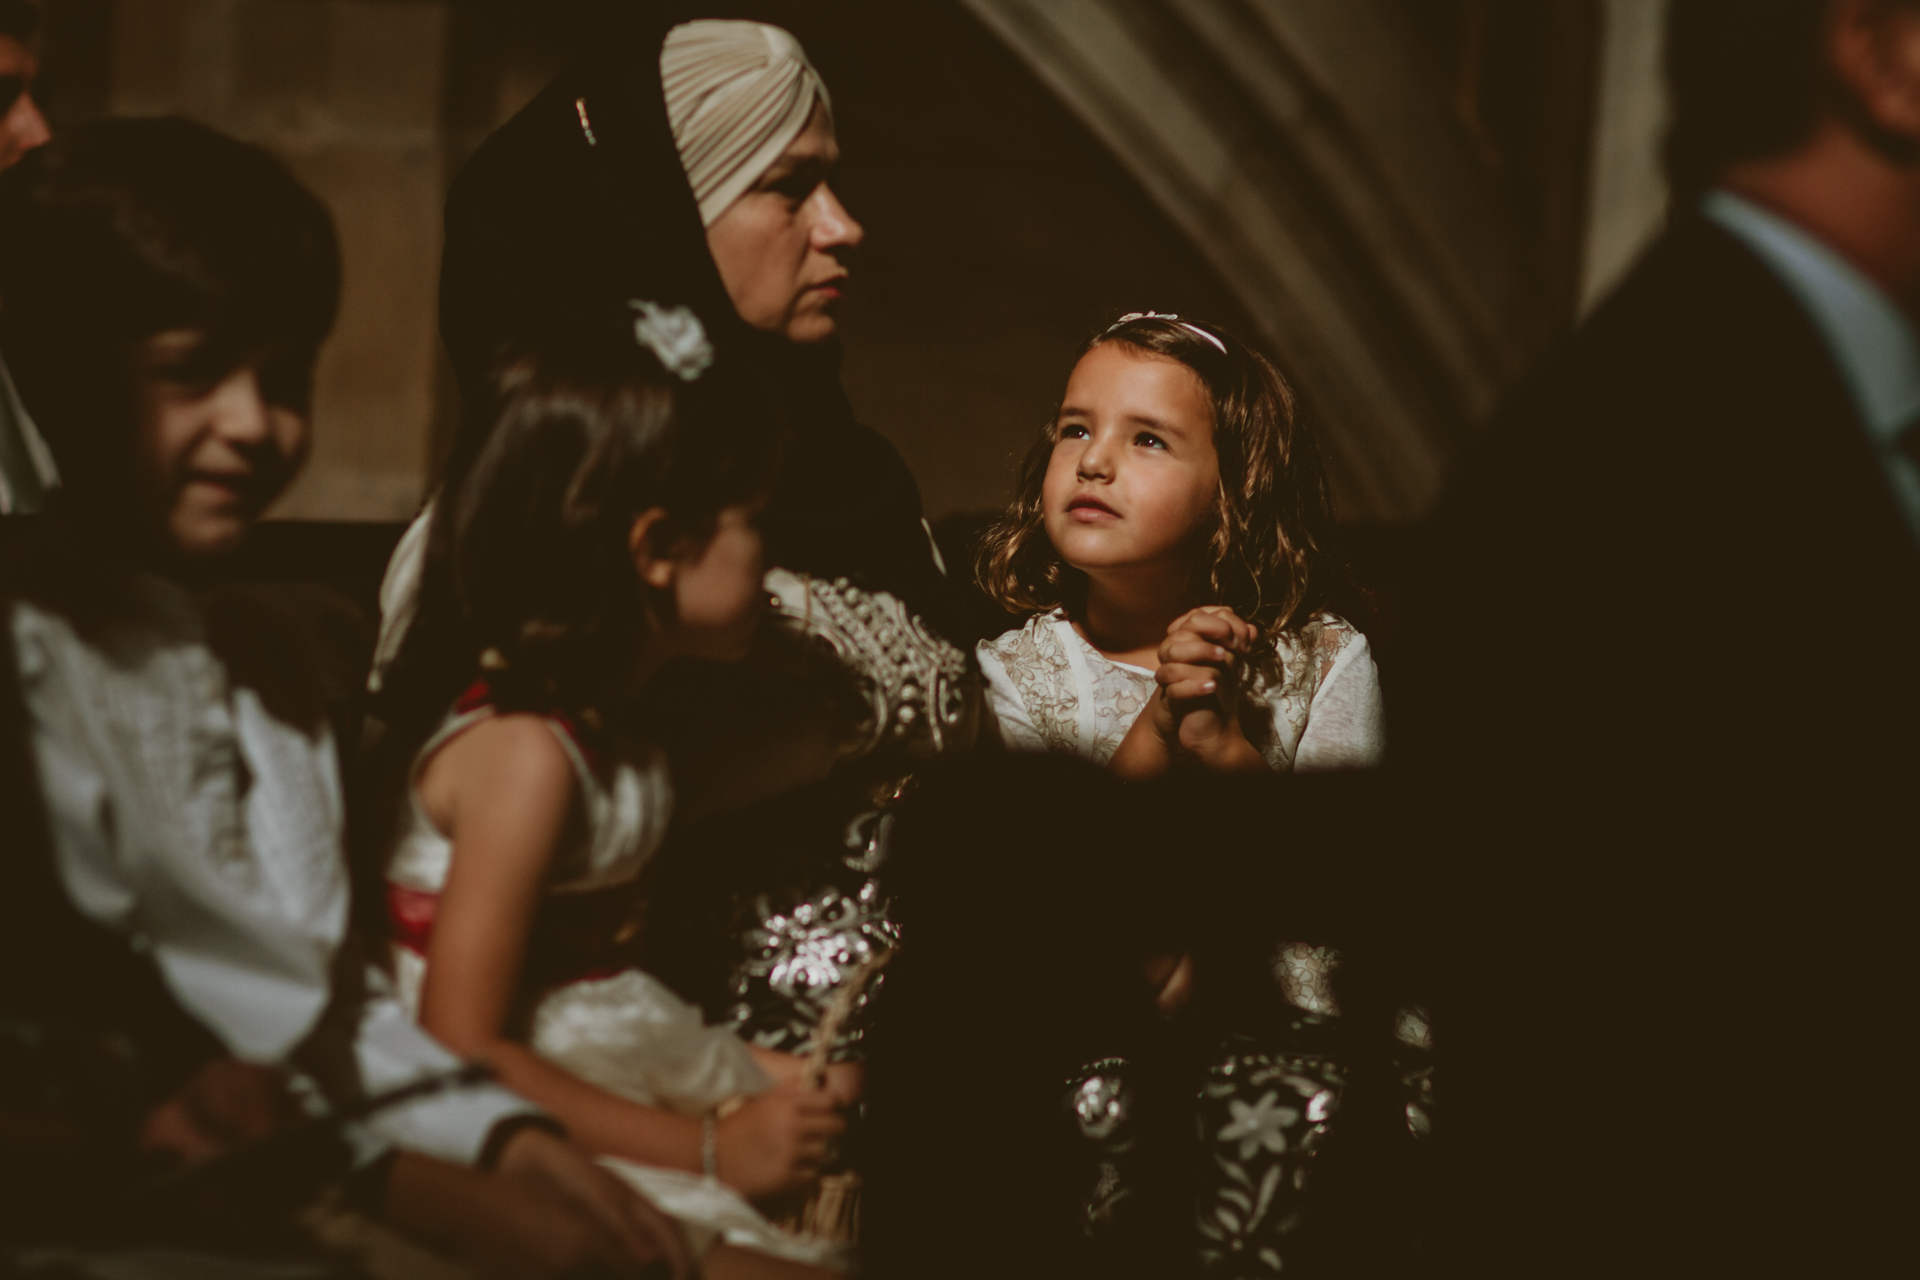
[[695, 206]]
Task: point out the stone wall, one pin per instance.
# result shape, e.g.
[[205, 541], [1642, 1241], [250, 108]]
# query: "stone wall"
[[1005, 216]]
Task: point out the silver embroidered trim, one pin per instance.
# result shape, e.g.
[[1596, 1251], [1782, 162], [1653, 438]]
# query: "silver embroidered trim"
[[796, 960], [918, 689]]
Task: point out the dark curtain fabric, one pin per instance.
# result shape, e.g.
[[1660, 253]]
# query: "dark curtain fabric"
[[546, 228], [1655, 740]]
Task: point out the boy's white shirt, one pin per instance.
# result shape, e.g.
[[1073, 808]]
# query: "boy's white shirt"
[[238, 889]]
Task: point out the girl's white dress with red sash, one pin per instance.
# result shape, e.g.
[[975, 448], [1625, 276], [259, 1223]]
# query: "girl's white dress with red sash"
[[622, 1030]]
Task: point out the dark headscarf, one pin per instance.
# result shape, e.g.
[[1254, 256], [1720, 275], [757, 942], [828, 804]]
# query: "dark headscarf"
[[580, 203]]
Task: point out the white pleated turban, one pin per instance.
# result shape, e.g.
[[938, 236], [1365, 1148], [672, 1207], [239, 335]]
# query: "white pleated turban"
[[738, 94]]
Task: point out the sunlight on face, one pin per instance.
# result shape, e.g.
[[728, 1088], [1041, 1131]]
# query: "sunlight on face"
[[1134, 481], [782, 247], [215, 448]]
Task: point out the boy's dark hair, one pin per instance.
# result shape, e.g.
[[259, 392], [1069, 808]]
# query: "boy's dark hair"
[[1270, 553], [1747, 79], [19, 19], [123, 229]]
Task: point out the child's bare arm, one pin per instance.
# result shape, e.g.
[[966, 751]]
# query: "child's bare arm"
[[504, 793]]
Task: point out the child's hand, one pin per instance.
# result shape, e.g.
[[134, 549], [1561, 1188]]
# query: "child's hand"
[[844, 1082], [222, 1105], [1199, 695], [776, 1142]]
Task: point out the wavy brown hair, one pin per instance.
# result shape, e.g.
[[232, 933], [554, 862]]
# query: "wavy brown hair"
[[1271, 551]]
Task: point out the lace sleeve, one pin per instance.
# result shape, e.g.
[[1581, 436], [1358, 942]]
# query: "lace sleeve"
[[1005, 707], [1345, 725]]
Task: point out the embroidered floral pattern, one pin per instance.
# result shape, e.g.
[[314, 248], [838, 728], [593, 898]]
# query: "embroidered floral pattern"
[[1120, 694], [1303, 658], [1264, 1124], [1100, 1102], [1036, 663], [798, 956], [1305, 975], [1276, 1110], [1086, 707]]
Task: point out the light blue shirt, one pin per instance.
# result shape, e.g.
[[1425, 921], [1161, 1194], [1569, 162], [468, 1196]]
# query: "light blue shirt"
[[1868, 336]]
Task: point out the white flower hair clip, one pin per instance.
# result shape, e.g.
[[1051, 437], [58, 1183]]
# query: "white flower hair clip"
[[1168, 316], [675, 335]]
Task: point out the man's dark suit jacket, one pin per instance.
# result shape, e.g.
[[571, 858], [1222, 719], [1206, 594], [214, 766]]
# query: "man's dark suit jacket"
[[1661, 705]]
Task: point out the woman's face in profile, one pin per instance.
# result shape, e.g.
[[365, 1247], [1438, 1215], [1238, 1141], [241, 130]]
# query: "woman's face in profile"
[[782, 247]]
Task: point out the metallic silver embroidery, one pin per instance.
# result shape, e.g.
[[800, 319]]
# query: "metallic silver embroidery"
[[797, 956], [920, 692], [870, 833], [1101, 1104], [1263, 1117]]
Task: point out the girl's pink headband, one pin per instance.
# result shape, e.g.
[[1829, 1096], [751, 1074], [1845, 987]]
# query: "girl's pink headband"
[[1195, 329]]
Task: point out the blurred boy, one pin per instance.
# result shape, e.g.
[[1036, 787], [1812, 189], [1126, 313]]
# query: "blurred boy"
[[164, 292]]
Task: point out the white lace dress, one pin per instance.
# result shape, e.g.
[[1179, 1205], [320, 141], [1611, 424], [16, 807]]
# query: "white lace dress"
[[621, 1029], [1051, 691], [1265, 1103]]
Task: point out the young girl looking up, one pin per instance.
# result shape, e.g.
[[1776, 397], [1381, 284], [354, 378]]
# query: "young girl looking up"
[[607, 527], [1171, 538]]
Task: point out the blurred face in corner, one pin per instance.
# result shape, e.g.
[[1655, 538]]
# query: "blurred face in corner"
[[22, 127], [782, 248], [216, 446]]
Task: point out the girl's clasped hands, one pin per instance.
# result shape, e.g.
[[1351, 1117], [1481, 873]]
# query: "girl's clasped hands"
[[1195, 708]]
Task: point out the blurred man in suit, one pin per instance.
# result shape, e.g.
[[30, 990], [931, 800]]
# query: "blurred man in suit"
[[1665, 695]]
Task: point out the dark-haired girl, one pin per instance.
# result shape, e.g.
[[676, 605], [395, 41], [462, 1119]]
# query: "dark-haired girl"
[[1171, 538], [607, 527]]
